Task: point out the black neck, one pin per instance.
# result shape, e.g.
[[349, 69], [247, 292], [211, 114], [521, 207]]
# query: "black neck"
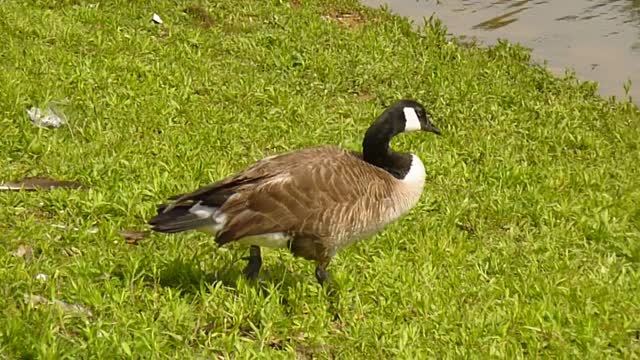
[[376, 151]]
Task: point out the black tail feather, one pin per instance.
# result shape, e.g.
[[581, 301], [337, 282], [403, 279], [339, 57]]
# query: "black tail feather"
[[176, 220], [174, 216]]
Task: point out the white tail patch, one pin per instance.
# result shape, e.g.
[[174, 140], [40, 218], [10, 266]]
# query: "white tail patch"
[[209, 212], [412, 123], [202, 211]]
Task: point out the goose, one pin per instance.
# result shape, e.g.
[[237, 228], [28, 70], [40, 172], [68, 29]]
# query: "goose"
[[314, 201]]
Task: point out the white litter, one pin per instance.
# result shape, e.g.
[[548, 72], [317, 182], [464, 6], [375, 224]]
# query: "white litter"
[[42, 277], [156, 19], [36, 300], [45, 118]]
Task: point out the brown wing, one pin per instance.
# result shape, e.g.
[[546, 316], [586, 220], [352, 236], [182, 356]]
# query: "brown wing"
[[218, 192], [315, 197]]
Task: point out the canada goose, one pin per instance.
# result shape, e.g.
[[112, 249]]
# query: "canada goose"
[[314, 201]]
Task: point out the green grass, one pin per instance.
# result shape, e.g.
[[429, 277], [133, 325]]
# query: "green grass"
[[526, 241]]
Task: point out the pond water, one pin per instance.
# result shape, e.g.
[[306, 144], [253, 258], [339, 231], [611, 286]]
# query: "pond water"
[[598, 39]]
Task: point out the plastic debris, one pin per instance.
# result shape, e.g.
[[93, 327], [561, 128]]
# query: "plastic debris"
[[156, 19], [35, 300], [49, 118]]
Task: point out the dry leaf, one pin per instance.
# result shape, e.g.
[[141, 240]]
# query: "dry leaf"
[[35, 183], [71, 251], [346, 19], [276, 343], [24, 251], [133, 236], [310, 351]]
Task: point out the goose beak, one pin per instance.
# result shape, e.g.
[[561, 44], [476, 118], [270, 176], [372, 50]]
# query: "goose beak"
[[432, 128]]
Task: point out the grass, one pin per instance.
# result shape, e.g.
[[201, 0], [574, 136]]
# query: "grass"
[[526, 242]]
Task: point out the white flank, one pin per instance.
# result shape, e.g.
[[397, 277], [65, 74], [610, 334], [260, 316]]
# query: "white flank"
[[272, 240], [412, 123]]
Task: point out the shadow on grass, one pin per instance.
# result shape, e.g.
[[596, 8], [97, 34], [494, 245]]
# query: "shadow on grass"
[[188, 277]]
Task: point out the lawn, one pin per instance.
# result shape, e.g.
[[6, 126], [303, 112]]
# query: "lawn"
[[526, 242]]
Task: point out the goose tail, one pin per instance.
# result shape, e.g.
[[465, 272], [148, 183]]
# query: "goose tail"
[[178, 219]]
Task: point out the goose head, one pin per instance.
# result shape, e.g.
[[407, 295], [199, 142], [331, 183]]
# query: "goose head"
[[402, 116], [409, 116]]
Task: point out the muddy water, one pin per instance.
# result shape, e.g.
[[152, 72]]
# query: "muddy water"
[[598, 39]]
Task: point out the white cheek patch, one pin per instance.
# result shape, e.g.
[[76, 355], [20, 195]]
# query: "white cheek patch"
[[411, 118]]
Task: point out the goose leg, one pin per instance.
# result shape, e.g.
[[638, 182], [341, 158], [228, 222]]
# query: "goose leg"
[[252, 269], [322, 275]]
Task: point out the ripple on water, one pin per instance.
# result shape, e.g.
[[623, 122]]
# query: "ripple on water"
[[598, 39]]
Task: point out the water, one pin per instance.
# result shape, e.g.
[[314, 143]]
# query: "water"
[[598, 39]]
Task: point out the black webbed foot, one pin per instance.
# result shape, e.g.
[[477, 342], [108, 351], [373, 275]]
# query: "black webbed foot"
[[322, 275], [252, 270]]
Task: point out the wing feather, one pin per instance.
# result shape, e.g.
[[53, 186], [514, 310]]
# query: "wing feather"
[[314, 199]]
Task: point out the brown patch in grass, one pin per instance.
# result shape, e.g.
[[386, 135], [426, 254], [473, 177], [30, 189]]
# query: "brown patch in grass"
[[365, 96], [37, 300], [240, 24], [163, 34], [200, 15], [298, 342], [295, 4], [348, 19], [36, 183], [24, 252], [466, 227], [71, 251], [132, 237]]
